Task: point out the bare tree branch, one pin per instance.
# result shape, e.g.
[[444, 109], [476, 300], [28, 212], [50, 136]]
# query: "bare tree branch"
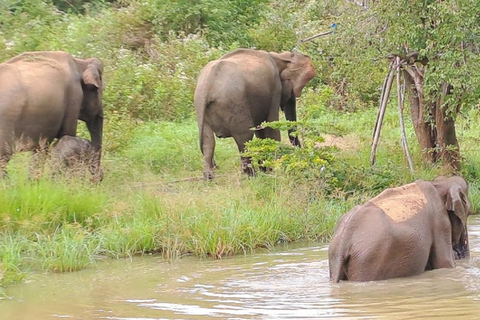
[[416, 79], [381, 113], [381, 101], [314, 37], [400, 114]]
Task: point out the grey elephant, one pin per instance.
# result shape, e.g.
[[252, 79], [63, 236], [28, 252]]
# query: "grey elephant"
[[75, 154], [43, 95], [403, 232], [241, 90]]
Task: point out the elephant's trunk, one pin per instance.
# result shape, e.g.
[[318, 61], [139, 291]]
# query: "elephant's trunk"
[[461, 250], [95, 128]]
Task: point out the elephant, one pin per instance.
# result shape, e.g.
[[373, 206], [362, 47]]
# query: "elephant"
[[241, 90], [43, 94], [402, 232], [73, 153]]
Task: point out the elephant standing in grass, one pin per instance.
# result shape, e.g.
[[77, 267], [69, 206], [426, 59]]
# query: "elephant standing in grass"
[[402, 232], [76, 154], [241, 90], [42, 97]]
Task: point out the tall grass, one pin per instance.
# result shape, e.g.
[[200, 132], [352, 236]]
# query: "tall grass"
[[142, 207], [48, 204], [151, 200]]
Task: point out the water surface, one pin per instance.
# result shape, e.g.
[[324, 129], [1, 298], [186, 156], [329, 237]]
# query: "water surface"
[[290, 283]]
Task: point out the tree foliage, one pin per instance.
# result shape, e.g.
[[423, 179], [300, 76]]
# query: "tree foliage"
[[441, 78], [444, 32]]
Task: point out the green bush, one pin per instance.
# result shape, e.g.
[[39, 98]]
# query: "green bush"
[[308, 161]]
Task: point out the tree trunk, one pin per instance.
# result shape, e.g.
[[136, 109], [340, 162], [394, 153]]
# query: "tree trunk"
[[420, 113], [447, 143], [435, 131]]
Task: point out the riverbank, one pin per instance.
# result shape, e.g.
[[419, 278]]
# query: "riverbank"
[[153, 199]]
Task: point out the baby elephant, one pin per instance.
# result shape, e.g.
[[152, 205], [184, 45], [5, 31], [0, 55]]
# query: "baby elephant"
[[75, 154], [402, 232]]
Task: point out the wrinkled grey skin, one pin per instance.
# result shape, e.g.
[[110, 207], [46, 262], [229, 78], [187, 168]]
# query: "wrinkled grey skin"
[[74, 153], [241, 90], [42, 97], [367, 245]]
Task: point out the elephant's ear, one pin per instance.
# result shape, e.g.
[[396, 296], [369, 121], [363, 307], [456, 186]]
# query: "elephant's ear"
[[457, 202], [299, 71], [282, 60], [91, 75]]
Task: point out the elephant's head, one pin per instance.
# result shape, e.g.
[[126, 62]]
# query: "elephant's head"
[[91, 112], [91, 71], [454, 193], [295, 70]]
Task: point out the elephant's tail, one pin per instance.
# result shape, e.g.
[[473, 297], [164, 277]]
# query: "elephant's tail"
[[337, 269], [201, 122], [201, 103]]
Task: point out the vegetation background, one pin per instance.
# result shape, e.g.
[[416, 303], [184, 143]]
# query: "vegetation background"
[[153, 199]]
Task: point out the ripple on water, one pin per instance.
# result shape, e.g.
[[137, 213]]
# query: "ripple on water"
[[292, 283]]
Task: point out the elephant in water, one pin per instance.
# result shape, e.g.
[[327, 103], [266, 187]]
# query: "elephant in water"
[[75, 154], [403, 232], [42, 96], [241, 90]]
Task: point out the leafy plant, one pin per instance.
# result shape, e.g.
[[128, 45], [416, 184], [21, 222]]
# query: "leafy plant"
[[308, 161]]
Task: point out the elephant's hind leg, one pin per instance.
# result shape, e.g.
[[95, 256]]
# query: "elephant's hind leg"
[[270, 134], [241, 139], [207, 145]]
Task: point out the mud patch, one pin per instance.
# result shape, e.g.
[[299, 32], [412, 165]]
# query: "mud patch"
[[401, 203]]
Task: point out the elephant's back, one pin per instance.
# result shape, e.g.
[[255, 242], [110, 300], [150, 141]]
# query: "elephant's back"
[[401, 203], [33, 93], [255, 67], [379, 249]]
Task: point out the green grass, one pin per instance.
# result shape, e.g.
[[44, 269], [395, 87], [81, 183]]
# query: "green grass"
[[153, 200]]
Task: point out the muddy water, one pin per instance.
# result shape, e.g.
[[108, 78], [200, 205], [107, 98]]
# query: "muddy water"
[[291, 283]]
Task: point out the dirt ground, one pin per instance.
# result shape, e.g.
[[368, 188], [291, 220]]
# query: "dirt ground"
[[347, 142]]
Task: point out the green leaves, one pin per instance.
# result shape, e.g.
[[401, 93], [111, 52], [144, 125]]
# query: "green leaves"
[[308, 161], [222, 22]]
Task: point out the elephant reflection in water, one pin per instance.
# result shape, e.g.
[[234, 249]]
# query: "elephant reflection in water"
[[403, 232]]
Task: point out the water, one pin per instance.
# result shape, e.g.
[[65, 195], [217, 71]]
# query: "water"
[[291, 283]]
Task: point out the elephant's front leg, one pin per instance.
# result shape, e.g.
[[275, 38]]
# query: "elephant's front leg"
[[441, 252], [95, 169], [290, 110]]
